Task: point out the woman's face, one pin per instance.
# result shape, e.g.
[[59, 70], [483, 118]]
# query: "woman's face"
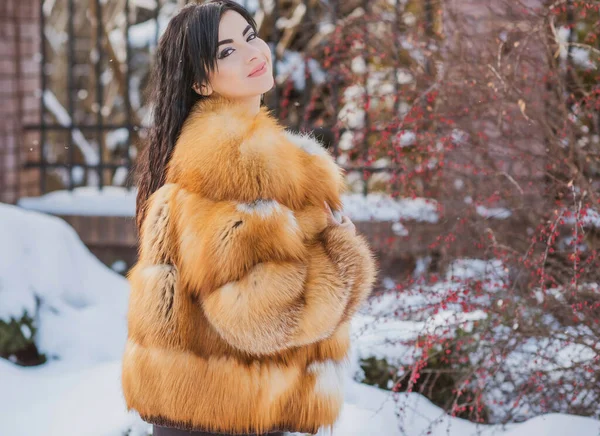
[[240, 52]]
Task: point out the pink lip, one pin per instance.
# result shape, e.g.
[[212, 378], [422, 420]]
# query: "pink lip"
[[258, 71]]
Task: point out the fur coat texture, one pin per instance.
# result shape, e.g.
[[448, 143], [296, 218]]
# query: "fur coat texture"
[[241, 299]]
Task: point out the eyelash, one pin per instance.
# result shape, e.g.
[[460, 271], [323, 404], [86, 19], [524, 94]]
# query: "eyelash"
[[221, 56]]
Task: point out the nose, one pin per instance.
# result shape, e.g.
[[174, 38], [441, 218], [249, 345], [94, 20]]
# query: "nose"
[[254, 53]]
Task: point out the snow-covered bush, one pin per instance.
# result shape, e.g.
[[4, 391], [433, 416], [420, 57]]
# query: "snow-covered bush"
[[17, 340]]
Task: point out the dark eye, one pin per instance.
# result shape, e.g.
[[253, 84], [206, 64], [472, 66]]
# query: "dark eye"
[[225, 53]]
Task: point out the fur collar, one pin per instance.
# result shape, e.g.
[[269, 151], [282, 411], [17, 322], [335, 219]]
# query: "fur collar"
[[223, 153]]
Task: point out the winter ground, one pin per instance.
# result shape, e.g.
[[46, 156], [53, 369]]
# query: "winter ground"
[[81, 306]]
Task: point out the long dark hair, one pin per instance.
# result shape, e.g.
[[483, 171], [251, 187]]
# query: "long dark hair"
[[186, 54]]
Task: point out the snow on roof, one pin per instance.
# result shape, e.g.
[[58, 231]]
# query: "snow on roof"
[[87, 200]]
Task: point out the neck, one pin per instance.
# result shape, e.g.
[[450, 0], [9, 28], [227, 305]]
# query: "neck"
[[250, 105]]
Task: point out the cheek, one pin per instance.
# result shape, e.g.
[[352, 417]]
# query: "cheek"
[[266, 50], [227, 70]]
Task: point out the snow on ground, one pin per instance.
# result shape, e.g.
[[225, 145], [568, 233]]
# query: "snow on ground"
[[82, 323], [55, 399]]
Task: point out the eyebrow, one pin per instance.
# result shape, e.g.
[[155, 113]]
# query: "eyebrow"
[[227, 41]]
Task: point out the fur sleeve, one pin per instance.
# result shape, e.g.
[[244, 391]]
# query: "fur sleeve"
[[264, 286], [354, 261]]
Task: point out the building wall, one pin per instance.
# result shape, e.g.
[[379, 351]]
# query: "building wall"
[[19, 104]]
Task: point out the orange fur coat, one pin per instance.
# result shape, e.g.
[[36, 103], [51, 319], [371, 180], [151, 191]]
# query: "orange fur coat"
[[242, 295]]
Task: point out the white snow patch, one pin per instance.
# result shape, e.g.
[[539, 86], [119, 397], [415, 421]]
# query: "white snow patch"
[[346, 141], [404, 77], [381, 207], [588, 217], [358, 66], [352, 115], [580, 55], [399, 229], [476, 269], [405, 138], [116, 137], [500, 213], [293, 64]]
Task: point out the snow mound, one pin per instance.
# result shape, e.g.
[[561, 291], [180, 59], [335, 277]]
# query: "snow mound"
[[82, 303]]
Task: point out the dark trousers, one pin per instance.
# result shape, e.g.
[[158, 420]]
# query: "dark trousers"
[[170, 431]]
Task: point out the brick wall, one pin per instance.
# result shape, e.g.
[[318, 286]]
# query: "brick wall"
[[19, 104]]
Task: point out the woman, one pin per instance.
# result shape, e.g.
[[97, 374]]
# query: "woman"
[[246, 280]]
